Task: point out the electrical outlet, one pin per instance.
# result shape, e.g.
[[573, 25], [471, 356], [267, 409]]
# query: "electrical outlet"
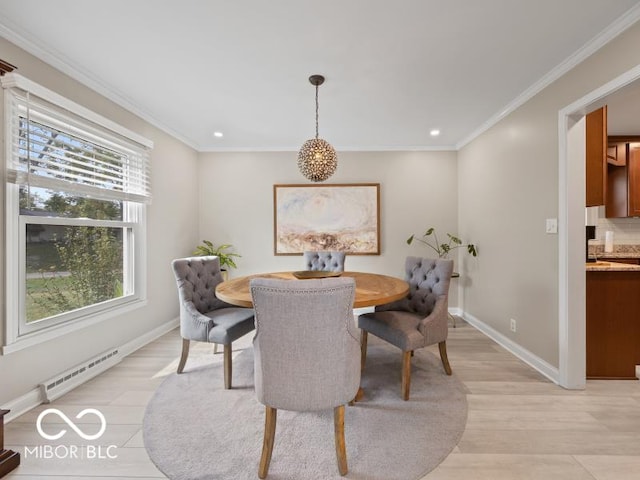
[[513, 325], [551, 225]]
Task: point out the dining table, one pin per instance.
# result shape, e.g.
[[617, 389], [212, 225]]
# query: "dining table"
[[371, 288]]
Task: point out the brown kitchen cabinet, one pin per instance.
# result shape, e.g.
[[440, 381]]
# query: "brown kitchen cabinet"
[[613, 324], [634, 179], [596, 157], [623, 177], [617, 153]]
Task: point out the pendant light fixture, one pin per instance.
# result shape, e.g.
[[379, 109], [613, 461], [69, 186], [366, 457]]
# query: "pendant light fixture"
[[317, 159]]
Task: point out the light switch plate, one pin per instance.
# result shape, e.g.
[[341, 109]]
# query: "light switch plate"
[[552, 225]]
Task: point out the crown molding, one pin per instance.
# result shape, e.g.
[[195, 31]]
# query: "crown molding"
[[339, 149], [612, 31], [58, 61]]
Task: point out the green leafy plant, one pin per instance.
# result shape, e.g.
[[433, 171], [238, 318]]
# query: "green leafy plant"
[[226, 258], [90, 272], [430, 238]]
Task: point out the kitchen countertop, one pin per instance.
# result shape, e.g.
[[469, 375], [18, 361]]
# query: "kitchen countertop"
[[602, 266], [615, 254], [619, 251]]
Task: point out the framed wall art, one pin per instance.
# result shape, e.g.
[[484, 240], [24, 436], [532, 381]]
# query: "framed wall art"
[[341, 217]]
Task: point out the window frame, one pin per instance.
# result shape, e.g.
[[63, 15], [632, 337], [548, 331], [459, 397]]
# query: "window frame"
[[19, 334]]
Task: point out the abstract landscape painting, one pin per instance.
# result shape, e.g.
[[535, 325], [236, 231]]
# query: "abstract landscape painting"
[[341, 217]]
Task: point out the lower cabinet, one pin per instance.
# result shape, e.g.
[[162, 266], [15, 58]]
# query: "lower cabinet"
[[613, 324]]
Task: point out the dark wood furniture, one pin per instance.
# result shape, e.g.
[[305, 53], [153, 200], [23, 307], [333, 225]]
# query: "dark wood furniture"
[[9, 459], [613, 324], [6, 67]]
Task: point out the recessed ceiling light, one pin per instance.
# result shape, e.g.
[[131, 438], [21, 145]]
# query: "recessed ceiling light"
[[218, 134], [435, 132]]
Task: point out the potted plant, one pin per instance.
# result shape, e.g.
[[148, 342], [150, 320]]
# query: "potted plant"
[[226, 258], [442, 249]]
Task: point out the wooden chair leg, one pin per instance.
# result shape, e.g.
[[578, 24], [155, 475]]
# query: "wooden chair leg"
[[341, 448], [363, 348], [227, 366], [443, 356], [270, 418], [406, 374], [185, 354]]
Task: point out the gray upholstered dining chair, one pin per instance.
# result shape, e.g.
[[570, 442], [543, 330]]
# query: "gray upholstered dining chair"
[[416, 321], [325, 261], [307, 352], [204, 317]]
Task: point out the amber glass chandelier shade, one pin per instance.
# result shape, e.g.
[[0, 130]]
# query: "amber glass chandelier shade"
[[317, 160]]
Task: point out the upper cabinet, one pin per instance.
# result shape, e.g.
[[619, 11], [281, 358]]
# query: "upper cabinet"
[[634, 179], [617, 153], [612, 168], [596, 157], [623, 177]]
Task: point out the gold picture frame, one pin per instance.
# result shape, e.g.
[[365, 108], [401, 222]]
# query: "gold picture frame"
[[338, 217]]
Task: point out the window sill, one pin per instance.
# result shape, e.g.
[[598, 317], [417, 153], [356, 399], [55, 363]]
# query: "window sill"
[[41, 336]]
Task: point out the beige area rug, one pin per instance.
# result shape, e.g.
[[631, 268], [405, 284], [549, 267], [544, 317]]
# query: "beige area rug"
[[194, 429]]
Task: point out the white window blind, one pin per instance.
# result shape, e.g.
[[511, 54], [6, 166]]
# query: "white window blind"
[[52, 147]]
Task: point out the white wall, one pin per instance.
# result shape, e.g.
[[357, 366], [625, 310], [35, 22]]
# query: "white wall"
[[508, 184], [417, 190], [171, 232]]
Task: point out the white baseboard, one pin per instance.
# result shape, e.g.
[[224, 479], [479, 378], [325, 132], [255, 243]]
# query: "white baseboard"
[[23, 404], [139, 342], [34, 397], [542, 366]]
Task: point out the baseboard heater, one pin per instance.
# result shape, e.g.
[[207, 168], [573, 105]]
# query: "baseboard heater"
[[64, 382]]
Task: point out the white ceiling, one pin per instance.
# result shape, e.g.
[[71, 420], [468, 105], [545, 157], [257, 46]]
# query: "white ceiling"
[[395, 69]]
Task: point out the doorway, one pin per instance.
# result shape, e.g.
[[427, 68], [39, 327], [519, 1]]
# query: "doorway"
[[571, 216]]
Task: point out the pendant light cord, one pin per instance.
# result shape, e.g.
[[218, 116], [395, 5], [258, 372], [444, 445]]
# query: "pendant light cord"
[[316, 111]]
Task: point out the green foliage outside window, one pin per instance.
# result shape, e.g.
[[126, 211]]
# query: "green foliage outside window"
[[92, 260], [81, 265]]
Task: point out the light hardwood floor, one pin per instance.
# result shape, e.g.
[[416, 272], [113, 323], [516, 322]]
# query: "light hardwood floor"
[[520, 425]]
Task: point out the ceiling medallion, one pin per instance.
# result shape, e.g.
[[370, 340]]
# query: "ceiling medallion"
[[317, 159]]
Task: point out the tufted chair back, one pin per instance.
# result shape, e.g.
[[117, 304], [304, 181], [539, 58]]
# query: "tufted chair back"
[[416, 321], [203, 317], [306, 352], [197, 278], [428, 279], [306, 348], [324, 261]]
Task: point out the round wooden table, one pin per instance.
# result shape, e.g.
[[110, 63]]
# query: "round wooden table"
[[371, 288]]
